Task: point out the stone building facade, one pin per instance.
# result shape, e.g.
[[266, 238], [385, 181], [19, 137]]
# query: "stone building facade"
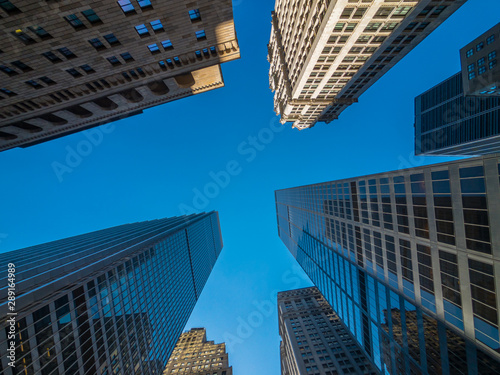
[[68, 66], [194, 355], [324, 54]]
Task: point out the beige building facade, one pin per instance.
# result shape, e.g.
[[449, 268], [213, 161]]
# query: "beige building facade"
[[68, 66], [194, 355], [325, 53]]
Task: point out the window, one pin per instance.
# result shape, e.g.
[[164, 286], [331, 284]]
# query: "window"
[[144, 4], [492, 64], [126, 6], [23, 37], [40, 31], [492, 55], [74, 21], [200, 35], [479, 46], [481, 70], [469, 53], [373, 26], [153, 48], [47, 80], [91, 16], [96, 43], [167, 44], [67, 53], [111, 38], [7, 92], [401, 11], [156, 25], [141, 29], [8, 70], [480, 61], [9, 7], [113, 60], [87, 69], [21, 65], [471, 67], [194, 14], [472, 75], [490, 39], [34, 84], [75, 73], [127, 57]]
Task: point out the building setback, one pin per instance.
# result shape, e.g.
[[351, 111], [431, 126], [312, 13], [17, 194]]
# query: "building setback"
[[69, 66], [325, 54], [194, 355], [408, 260], [314, 339], [108, 302], [461, 115]]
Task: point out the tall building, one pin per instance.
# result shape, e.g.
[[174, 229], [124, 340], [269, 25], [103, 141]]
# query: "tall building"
[[480, 70], [325, 54], [194, 355], [409, 260], [68, 66], [461, 115], [314, 339], [108, 302]]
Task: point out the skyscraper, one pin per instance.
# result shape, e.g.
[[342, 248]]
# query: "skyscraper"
[[461, 115], [70, 66], [314, 339], [325, 54], [193, 354], [408, 260], [108, 302]]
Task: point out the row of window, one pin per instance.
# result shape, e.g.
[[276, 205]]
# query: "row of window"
[[482, 69], [480, 46], [77, 24]]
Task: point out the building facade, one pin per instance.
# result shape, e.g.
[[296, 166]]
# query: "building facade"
[[409, 260], [194, 355], [113, 301], [480, 70], [69, 66], [314, 339], [461, 115], [325, 54]]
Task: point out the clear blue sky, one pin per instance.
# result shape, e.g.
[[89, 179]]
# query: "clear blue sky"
[[147, 166]]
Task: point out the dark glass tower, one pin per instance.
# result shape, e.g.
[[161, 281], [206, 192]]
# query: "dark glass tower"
[[409, 260], [113, 301], [447, 122]]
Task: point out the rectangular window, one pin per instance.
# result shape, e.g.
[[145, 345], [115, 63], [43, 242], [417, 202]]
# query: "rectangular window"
[[21, 65], [51, 57], [194, 15], [156, 25], [127, 57], [401, 11], [87, 69], [167, 44], [47, 80], [479, 46], [96, 43], [111, 39], [91, 16], [471, 67], [126, 6], [490, 39], [74, 21], [144, 4], [480, 61], [40, 31], [492, 55], [67, 53], [200, 35], [153, 48], [481, 70], [23, 37], [141, 29], [492, 64], [113, 60], [7, 92], [7, 70], [75, 73], [34, 84], [9, 7], [472, 75], [469, 53]]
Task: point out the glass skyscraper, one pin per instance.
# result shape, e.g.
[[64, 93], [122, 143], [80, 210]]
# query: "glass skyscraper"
[[113, 301], [409, 260]]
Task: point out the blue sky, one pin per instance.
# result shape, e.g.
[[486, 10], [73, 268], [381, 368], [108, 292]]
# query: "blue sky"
[[153, 166]]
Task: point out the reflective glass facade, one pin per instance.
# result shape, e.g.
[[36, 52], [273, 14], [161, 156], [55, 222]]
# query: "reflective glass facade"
[[409, 260], [314, 339], [449, 123], [109, 302]]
